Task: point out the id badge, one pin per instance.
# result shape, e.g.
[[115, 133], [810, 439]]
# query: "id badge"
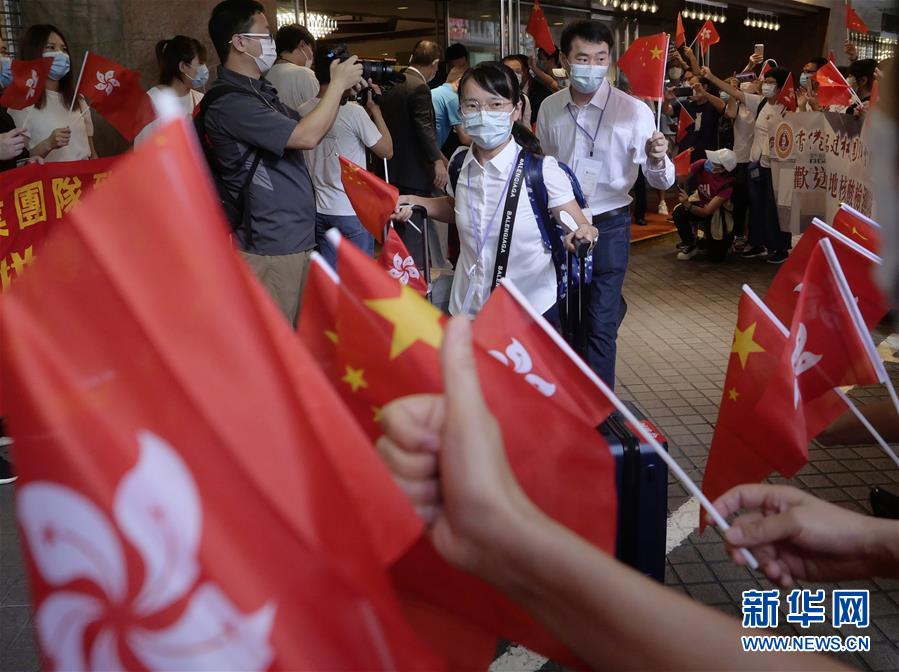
[[588, 173]]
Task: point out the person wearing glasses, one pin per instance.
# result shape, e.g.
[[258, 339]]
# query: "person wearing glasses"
[[486, 202], [257, 140]]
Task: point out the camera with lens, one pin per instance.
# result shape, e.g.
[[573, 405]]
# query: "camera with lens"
[[381, 72]]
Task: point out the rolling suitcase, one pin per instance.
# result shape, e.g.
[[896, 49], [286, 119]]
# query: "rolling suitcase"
[[415, 236], [641, 477]]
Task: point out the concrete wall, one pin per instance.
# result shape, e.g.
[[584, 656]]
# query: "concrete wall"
[[126, 31]]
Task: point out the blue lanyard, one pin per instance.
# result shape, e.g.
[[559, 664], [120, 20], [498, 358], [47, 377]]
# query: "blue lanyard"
[[583, 130]]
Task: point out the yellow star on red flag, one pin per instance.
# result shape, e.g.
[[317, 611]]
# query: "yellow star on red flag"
[[413, 319], [744, 345], [355, 378]]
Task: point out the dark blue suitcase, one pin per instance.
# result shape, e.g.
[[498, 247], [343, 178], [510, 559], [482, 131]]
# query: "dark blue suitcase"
[[642, 480]]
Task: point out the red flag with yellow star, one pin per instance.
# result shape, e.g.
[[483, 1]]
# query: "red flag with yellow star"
[[684, 121], [858, 228], [858, 264], [388, 339], [372, 198], [539, 29], [317, 325], [682, 162], [854, 21], [737, 454], [644, 64]]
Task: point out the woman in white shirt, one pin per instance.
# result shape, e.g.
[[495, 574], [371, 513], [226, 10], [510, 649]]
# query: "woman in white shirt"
[[182, 70], [490, 105], [59, 129]]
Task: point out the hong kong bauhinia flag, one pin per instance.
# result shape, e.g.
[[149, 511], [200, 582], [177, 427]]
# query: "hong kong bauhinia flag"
[[828, 347], [399, 264], [858, 264], [854, 21], [116, 93], [136, 425], [27, 85], [833, 89], [708, 35], [787, 95]]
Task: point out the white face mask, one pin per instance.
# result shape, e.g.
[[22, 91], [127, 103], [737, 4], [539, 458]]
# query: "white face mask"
[[269, 52], [587, 78], [488, 129], [675, 73], [769, 90]]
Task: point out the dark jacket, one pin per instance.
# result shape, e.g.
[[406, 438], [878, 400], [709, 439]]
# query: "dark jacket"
[[409, 115], [7, 125]]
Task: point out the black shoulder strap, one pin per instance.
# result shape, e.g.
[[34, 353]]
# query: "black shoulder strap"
[[455, 168], [758, 112]]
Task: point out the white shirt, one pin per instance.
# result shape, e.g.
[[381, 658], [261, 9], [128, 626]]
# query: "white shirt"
[[744, 126], [296, 84], [619, 148], [761, 150], [350, 134], [187, 102], [55, 114], [530, 263]]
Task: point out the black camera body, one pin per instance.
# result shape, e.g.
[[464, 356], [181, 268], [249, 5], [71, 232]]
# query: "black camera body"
[[381, 72]]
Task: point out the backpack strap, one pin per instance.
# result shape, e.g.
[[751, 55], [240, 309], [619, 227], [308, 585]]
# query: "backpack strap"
[[455, 167]]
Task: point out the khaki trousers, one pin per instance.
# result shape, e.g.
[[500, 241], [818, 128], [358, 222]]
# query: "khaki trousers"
[[284, 276]]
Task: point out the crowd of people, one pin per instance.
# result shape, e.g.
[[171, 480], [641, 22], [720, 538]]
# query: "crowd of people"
[[281, 110]]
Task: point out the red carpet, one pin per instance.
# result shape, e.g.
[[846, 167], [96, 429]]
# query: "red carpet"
[[655, 226]]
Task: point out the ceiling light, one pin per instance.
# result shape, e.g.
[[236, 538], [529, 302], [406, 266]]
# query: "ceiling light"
[[615, 3], [403, 7], [776, 25], [644, 7], [653, 8], [485, 16], [746, 21], [723, 18]]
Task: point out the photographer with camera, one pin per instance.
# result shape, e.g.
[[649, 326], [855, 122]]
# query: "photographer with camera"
[[351, 133], [253, 143], [292, 74]]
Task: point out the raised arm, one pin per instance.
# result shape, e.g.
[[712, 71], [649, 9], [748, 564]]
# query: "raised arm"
[[312, 128]]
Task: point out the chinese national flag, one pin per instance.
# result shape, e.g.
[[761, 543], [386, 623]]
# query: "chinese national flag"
[[116, 93], [27, 85], [828, 347], [738, 452], [538, 28], [372, 198], [787, 95], [644, 64], [128, 426], [858, 228], [680, 37], [399, 264], [684, 121], [317, 323], [507, 329], [858, 265], [833, 89], [388, 338], [708, 35], [682, 163], [854, 21]]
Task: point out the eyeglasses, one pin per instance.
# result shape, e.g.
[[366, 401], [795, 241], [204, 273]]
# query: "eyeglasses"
[[257, 36], [472, 107]]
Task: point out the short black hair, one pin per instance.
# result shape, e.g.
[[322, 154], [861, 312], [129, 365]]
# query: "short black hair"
[[779, 74], [455, 51], [521, 58], [863, 68], [229, 18], [709, 86], [587, 30], [321, 65], [289, 37], [171, 53], [819, 61]]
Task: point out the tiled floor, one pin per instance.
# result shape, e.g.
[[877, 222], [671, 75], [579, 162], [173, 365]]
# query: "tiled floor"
[[673, 350]]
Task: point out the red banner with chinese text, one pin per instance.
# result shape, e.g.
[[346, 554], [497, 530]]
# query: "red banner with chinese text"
[[33, 199], [818, 161]]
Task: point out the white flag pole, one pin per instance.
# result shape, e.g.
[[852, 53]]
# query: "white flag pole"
[[867, 425], [78, 83], [625, 411], [662, 92]]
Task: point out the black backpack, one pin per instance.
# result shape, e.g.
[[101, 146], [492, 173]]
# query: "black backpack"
[[233, 205]]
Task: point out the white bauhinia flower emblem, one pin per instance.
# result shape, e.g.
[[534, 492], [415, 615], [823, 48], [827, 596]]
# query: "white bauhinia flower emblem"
[[518, 358], [706, 34], [31, 83], [404, 270], [802, 361], [157, 509], [106, 82]]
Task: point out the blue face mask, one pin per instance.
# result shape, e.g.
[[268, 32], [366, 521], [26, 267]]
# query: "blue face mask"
[[725, 96], [5, 71], [202, 76], [804, 79], [587, 78], [61, 65], [708, 166], [488, 130]]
